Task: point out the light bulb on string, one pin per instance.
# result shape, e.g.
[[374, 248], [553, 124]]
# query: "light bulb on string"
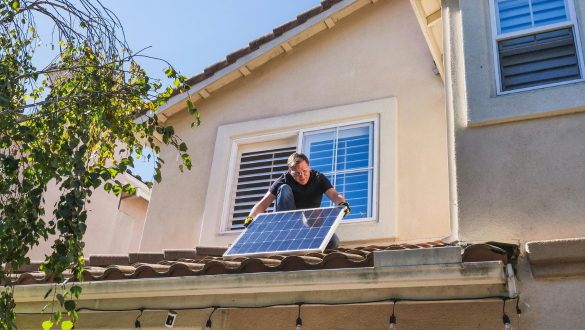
[[393, 318], [137, 323], [299, 321], [208, 324], [506, 320], [505, 317]]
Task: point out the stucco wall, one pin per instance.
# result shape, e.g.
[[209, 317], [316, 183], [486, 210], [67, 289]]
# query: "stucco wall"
[[110, 230], [419, 316], [516, 178], [377, 52]]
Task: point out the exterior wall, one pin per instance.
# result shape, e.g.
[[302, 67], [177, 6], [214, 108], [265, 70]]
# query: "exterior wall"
[[114, 226], [377, 52], [418, 316], [517, 171]]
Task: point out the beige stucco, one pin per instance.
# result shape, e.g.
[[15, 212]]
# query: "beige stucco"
[[516, 162], [375, 53], [114, 225]]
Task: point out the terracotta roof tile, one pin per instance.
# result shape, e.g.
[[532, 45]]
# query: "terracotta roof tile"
[[200, 265], [152, 265]]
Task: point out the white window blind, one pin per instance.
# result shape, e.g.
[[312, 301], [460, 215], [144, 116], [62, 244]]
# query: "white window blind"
[[256, 172], [345, 154], [516, 15]]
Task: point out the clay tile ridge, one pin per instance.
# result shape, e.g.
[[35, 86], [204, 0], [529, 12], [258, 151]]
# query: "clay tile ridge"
[[256, 43]]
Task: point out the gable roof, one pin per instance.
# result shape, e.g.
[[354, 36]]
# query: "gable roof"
[[244, 61]]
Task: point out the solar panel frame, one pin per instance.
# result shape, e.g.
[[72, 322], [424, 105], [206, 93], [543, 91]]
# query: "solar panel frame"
[[321, 247]]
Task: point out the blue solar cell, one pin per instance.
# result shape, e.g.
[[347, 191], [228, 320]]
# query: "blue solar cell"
[[291, 232]]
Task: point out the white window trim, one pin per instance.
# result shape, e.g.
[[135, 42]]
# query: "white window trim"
[[573, 23], [235, 146]]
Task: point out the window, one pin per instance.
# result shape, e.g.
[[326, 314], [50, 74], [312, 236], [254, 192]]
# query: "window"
[[259, 165], [536, 44], [344, 153]]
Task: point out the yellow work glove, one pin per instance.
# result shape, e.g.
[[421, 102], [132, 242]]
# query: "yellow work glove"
[[248, 222], [347, 209]]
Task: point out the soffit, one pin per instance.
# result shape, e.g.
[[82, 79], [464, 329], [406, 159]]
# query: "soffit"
[[429, 15]]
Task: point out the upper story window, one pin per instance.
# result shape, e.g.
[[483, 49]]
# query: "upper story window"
[[345, 153], [536, 44]]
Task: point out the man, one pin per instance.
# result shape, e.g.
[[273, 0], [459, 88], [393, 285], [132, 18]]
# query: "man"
[[299, 188]]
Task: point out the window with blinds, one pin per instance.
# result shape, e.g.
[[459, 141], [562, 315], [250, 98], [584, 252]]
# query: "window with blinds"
[[256, 172], [538, 59], [516, 15], [345, 154]]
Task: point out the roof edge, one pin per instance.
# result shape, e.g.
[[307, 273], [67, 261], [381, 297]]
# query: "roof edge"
[[484, 278], [222, 73]]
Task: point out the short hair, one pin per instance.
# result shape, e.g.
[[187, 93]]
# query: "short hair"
[[296, 158]]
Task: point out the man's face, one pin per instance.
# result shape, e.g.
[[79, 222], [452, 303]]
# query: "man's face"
[[301, 172]]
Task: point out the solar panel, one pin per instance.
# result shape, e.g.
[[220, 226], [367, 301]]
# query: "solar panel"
[[287, 233]]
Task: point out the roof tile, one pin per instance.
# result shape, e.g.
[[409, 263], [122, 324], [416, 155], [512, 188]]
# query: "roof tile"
[[152, 265]]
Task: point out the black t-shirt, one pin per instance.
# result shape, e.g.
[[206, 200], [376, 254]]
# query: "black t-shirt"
[[306, 196]]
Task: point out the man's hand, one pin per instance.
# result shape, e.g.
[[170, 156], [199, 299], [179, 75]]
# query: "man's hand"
[[347, 209], [248, 222]]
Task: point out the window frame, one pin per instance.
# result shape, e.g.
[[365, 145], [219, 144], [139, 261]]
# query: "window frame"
[[375, 162], [496, 37], [298, 133]]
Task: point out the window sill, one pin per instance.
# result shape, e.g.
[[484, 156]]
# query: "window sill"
[[525, 104]]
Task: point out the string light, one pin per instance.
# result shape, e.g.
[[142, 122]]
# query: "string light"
[[208, 324], [505, 317], [518, 310], [137, 323], [392, 317], [299, 321]]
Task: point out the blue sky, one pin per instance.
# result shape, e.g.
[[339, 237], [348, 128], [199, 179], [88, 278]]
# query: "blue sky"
[[192, 34]]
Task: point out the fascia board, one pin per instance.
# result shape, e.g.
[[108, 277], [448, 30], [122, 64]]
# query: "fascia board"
[[263, 49], [466, 275]]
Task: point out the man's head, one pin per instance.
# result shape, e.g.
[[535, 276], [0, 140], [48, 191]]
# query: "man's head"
[[298, 167]]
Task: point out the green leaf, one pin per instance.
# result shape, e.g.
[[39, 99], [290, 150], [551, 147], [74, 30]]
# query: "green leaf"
[[48, 293], [55, 163], [47, 325], [60, 298], [3, 100], [15, 4], [106, 123], [76, 290], [70, 305], [57, 315], [108, 187], [192, 111], [117, 190], [190, 104], [183, 147], [66, 325]]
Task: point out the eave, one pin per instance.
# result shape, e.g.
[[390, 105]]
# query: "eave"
[[429, 16], [426, 282]]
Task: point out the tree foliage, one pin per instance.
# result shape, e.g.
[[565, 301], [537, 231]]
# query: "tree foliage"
[[72, 123]]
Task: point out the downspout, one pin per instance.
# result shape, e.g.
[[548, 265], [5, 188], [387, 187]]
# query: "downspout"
[[446, 7]]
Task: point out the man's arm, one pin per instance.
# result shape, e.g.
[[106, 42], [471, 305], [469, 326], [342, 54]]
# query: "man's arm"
[[334, 196], [262, 205]]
